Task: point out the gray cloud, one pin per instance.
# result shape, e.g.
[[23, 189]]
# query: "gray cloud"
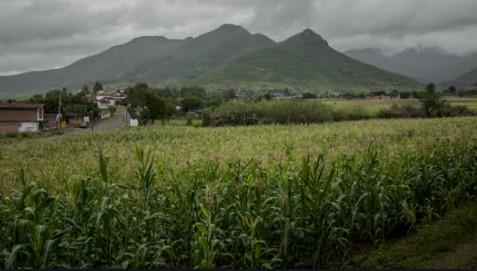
[[41, 34]]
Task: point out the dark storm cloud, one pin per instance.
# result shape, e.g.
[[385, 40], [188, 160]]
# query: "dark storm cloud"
[[40, 34]]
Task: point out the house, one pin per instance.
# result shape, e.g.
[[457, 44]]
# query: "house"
[[113, 98], [105, 107], [107, 101], [20, 117]]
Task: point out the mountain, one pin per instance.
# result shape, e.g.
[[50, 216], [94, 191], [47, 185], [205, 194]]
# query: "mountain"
[[468, 79], [197, 56], [109, 64], [423, 64], [304, 61], [229, 56], [148, 59]]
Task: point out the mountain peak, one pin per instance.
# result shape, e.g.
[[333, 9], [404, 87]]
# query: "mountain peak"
[[230, 28], [307, 37], [149, 38], [224, 30]]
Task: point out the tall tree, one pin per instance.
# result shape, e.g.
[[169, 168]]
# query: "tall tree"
[[431, 101], [97, 87], [145, 105]]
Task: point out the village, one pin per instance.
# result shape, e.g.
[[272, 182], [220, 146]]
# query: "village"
[[19, 117]]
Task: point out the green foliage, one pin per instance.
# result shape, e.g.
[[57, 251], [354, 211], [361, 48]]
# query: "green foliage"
[[431, 105], [431, 102], [304, 63], [97, 87], [279, 112], [299, 213], [270, 196], [146, 106], [191, 103], [71, 103], [308, 95]]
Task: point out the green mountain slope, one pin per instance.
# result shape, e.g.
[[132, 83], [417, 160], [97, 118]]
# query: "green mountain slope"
[[108, 65], [304, 61], [197, 56], [146, 59], [228, 56]]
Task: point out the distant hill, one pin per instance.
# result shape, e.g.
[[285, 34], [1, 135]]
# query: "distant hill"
[[228, 56], [423, 64], [468, 79], [108, 65], [148, 59], [304, 61]]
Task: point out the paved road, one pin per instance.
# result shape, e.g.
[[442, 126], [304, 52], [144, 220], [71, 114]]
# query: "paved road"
[[114, 122]]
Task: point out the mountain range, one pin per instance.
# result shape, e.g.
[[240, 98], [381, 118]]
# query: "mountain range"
[[424, 64], [229, 56]]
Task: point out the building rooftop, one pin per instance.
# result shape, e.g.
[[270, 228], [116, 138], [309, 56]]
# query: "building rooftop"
[[20, 106]]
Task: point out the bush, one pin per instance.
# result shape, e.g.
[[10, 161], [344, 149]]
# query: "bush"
[[278, 112], [410, 111]]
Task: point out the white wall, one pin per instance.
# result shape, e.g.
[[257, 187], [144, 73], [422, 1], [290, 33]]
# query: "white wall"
[[28, 127], [133, 123]]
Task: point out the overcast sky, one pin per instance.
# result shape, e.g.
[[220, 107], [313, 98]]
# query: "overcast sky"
[[42, 34]]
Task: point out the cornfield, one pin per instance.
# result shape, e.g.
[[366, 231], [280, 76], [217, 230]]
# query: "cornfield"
[[120, 200]]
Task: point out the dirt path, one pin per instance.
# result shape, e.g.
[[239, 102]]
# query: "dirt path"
[[463, 257]]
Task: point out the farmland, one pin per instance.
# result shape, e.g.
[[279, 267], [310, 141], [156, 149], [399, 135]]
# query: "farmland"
[[252, 197], [374, 105]]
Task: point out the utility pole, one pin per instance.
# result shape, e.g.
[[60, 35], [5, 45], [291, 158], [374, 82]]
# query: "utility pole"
[[58, 116], [92, 121]]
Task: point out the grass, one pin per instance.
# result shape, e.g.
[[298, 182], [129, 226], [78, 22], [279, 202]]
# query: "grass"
[[250, 197], [430, 242], [373, 106], [471, 103]]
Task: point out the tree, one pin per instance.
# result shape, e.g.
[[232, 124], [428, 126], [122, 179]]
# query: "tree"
[[405, 95], [155, 107], [431, 101], [71, 103], [85, 89], [308, 95], [452, 90], [97, 87], [145, 105], [191, 103], [268, 96], [193, 92], [229, 94], [394, 93]]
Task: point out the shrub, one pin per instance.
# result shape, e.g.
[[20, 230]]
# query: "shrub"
[[411, 111], [279, 112]]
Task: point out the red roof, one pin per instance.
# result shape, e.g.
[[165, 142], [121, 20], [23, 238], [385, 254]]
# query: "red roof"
[[20, 106]]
